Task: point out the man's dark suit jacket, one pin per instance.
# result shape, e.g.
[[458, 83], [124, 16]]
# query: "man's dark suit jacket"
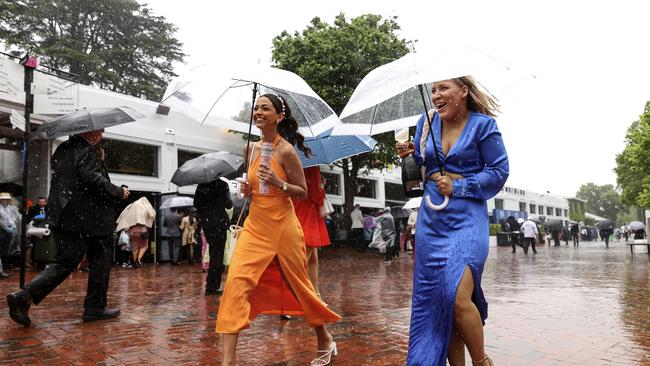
[[82, 198]]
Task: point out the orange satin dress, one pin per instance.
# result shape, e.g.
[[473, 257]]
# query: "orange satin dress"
[[270, 245]]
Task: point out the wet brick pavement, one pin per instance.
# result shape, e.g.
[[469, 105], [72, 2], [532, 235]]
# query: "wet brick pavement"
[[563, 306]]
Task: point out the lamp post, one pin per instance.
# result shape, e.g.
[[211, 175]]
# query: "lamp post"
[[29, 62]]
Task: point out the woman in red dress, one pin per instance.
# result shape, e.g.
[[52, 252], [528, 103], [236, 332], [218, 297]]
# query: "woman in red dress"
[[313, 225]]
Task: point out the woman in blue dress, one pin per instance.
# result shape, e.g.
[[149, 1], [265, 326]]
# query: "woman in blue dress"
[[448, 307]]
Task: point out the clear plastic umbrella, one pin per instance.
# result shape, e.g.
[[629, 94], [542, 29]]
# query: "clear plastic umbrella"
[[224, 98], [178, 201], [395, 95], [636, 225]]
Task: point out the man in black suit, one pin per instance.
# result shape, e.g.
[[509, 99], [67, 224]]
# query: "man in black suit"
[[211, 201], [81, 214]]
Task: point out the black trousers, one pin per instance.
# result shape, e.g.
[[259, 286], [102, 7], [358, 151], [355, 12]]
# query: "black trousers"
[[71, 247], [530, 242], [357, 239], [516, 240], [576, 240], [174, 247], [215, 234]]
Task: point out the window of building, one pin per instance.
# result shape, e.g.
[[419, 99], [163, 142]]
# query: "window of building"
[[533, 208], [498, 203], [558, 212], [125, 157], [566, 213], [332, 183], [185, 155], [394, 192], [522, 206], [366, 188], [549, 211], [541, 210]]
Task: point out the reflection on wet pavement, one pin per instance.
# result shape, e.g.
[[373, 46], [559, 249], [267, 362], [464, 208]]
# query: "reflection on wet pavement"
[[564, 306]]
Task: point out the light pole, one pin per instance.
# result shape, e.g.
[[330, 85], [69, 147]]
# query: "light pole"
[[29, 62]]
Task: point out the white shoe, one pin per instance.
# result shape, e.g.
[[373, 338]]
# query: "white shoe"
[[326, 358]]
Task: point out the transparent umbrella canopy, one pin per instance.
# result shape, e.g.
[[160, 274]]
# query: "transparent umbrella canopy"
[[395, 95], [178, 201], [224, 98], [389, 97]]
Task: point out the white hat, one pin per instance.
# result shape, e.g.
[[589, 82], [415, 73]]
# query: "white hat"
[[520, 220], [5, 196]]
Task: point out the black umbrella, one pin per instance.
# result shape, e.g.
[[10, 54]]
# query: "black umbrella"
[[553, 224], [86, 120], [605, 225], [208, 167]]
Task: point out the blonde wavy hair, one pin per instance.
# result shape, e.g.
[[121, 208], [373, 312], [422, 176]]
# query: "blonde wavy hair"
[[477, 100]]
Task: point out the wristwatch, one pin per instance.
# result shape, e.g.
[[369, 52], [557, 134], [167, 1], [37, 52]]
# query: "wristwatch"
[[285, 186]]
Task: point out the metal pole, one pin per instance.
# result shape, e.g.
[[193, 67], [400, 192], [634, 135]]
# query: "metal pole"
[[29, 66], [435, 147], [250, 128]]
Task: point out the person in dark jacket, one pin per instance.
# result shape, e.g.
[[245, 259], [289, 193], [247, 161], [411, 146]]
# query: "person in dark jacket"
[[81, 214], [575, 231], [211, 201]]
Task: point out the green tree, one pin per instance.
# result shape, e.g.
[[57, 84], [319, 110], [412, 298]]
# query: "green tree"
[[633, 164], [117, 45], [333, 59], [601, 200], [576, 209]]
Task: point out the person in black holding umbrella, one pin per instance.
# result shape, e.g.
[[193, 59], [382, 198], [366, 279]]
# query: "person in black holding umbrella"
[[81, 214], [211, 201]]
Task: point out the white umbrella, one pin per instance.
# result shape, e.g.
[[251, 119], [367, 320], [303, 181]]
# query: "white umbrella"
[[224, 98], [178, 201]]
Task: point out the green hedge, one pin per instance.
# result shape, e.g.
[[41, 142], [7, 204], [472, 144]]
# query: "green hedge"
[[495, 229]]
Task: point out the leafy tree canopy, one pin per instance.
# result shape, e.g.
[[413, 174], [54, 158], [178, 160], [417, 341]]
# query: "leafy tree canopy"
[[601, 200], [633, 164], [118, 45], [333, 59]]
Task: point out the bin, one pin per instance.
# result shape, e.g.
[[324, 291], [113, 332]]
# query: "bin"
[[503, 239]]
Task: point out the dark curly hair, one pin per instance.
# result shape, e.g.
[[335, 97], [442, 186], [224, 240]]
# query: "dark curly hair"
[[288, 127]]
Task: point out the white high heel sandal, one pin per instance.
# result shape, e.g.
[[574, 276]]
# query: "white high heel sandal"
[[326, 358]]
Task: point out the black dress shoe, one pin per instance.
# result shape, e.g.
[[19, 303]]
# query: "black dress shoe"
[[18, 303], [91, 314], [5, 274]]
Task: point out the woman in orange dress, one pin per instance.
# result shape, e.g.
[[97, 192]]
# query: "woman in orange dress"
[[313, 225], [268, 269]]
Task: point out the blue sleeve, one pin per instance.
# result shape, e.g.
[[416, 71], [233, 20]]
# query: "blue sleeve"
[[488, 182], [417, 154]]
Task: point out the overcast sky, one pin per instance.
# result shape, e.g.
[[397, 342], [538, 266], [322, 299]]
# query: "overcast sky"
[[590, 59]]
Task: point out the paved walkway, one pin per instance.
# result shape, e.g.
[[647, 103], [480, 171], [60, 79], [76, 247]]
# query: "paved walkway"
[[563, 306]]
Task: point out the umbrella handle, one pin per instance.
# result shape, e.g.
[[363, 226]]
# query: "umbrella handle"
[[437, 207]]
